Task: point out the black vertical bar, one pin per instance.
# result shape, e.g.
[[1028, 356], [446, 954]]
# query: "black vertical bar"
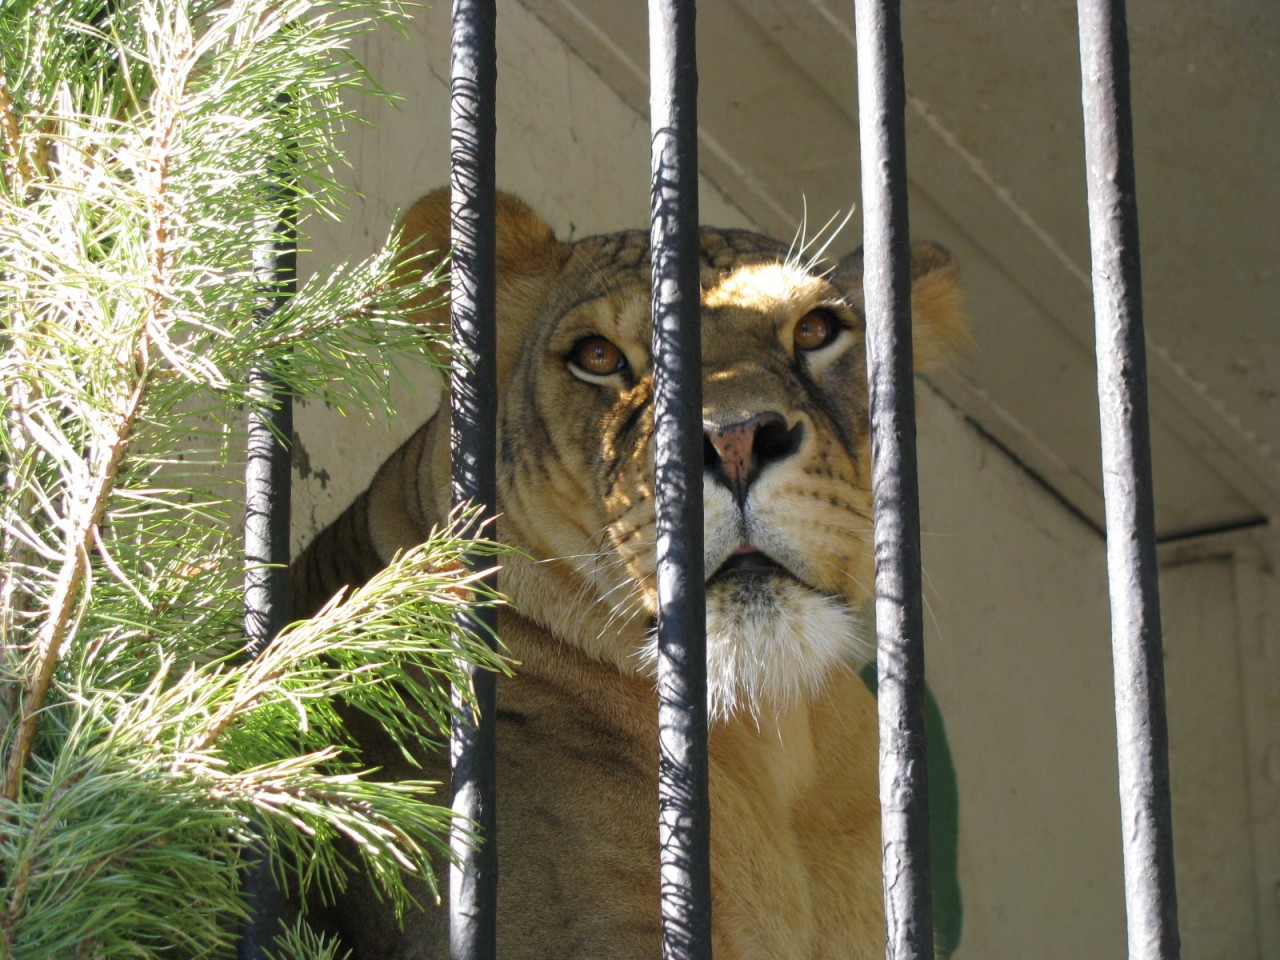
[[684, 825], [899, 621], [473, 878], [1141, 729], [268, 486]]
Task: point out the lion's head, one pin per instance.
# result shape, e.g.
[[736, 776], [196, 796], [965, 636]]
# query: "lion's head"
[[786, 480]]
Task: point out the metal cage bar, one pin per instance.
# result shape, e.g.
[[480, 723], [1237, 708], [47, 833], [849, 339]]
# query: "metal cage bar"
[[268, 486], [895, 488], [473, 877], [684, 823], [1141, 727], [267, 479]]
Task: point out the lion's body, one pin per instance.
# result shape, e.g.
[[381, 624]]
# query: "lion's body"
[[792, 749]]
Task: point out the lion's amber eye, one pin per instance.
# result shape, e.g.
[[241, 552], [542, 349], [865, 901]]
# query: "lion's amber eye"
[[596, 355], [815, 330]]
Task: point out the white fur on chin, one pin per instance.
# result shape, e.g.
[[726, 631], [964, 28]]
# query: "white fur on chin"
[[772, 643]]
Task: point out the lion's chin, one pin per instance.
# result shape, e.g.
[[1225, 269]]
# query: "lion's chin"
[[772, 642]]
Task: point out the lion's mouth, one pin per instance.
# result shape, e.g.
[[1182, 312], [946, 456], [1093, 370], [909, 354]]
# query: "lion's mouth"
[[749, 562]]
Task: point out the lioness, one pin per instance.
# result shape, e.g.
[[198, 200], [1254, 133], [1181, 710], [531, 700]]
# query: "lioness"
[[795, 815]]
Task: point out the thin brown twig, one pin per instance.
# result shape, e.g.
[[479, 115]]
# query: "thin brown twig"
[[16, 906], [14, 601], [67, 587], [14, 168]]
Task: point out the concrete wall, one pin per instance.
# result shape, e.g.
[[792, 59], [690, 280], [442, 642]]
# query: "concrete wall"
[[1018, 653]]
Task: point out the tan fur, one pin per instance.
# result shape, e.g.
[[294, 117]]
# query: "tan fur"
[[795, 833]]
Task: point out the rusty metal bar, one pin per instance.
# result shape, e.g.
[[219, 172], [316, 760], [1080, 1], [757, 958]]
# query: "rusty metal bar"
[[684, 826], [895, 488], [1141, 726], [473, 877]]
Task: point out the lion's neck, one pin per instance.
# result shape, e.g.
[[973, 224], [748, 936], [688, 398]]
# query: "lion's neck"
[[773, 748], [623, 699], [774, 754]]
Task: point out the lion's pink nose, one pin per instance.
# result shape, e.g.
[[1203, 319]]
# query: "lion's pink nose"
[[736, 453]]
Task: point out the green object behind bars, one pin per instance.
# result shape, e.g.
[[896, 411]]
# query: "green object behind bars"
[[944, 825]]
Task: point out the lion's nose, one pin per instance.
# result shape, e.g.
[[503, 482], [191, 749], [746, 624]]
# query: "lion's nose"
[[737, 453]]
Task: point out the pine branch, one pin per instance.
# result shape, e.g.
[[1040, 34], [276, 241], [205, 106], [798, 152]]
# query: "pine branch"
[[137, 749], [61, 607]]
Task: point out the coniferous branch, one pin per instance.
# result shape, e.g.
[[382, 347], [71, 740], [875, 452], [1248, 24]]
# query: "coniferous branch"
[[141, 145]]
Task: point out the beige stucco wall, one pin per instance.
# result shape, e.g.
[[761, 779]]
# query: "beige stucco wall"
[[1018, 645], [1019, 658]]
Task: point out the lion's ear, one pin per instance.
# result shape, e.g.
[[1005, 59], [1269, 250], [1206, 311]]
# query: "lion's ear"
[[527, 252], [939, 326]]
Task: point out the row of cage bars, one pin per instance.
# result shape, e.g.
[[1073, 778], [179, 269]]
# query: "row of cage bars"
[[684, 824]]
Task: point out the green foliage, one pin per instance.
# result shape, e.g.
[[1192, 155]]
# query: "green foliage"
[[302, 943], [148, 152]]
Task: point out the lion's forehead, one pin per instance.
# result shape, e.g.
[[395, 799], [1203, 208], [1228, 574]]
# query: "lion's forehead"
[[605, 263], [737, 268]]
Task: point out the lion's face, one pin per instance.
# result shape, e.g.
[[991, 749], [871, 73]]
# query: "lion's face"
[[786, 485]]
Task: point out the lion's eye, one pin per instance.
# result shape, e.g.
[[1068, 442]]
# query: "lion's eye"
[[597, 356], [815, 330]]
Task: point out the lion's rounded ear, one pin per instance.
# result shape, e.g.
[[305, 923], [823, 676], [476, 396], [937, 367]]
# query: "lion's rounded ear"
[[526, 247], [939, 326]]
